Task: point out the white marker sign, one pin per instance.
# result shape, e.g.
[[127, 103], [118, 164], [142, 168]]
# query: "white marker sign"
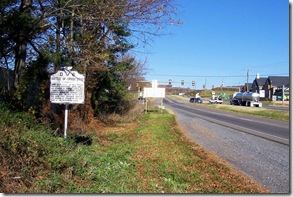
[[154, 91], [67, 87]]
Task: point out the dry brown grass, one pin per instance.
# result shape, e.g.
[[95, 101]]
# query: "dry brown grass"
[[204, 171], [157, 149], [222, 168]]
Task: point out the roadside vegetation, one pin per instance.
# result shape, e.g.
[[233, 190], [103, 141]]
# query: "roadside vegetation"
[[253, 111], [149, 155], [95, 38]]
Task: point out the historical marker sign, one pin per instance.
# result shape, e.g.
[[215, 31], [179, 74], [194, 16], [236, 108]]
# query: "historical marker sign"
[[67, 87]]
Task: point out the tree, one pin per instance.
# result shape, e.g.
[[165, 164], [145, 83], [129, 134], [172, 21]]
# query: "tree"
[[92, 36], [97, 33], [110, 93]]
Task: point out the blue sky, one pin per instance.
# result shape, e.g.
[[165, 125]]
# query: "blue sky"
[[219, 40]]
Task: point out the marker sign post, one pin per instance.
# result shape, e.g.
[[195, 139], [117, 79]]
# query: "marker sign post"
[[154, 92], [67, 87]]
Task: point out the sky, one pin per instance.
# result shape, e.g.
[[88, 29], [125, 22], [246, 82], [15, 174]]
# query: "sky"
[[220, 41]]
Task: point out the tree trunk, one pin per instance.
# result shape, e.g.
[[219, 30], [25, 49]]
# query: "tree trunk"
[[7, 76], [21, 45], [20, 57], [58, 40]]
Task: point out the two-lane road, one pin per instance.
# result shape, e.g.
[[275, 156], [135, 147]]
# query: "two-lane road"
[[255, 146], [274, 130]]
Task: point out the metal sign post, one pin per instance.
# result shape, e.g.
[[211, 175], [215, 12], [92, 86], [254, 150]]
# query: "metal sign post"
[[146, 105], [67, 87], [65, 120]]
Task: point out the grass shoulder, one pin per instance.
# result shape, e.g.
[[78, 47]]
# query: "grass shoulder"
[[150, 155], [179, 165]]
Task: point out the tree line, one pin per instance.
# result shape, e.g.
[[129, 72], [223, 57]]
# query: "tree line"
[[95, 37]]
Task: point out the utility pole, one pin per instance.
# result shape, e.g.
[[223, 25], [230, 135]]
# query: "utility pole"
[[283, 94], [222, 86], [239, 87], [193, 84], [247, 79]]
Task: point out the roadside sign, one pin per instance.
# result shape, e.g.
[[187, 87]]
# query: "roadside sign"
[[154, 91], [67, 87]]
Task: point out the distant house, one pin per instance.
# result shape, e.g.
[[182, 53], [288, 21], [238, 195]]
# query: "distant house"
[[274, 84], [271, 85], [258, 84]]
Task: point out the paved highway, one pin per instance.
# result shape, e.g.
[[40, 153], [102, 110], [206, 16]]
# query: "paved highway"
[[274, 130], [264, 158]]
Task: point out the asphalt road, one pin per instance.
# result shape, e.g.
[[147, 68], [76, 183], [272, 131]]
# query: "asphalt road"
[[269, 129], [255, 146]]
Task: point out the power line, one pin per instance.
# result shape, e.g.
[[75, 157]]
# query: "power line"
[[211, 76], [164, 75]]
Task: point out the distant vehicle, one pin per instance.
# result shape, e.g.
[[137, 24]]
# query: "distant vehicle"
[[141, 99], [234, 101], [195, 100], [246, 99], [216, 99]]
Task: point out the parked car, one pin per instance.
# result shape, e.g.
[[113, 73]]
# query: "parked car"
[[195, 100]]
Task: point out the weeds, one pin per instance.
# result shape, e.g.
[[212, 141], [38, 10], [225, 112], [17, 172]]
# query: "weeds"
[[150, 156]]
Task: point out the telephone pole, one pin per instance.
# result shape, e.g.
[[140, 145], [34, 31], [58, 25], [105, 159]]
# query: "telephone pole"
[[247, 79], [222, 86]]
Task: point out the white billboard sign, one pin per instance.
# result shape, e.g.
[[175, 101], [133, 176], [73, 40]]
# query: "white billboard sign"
[[67, 87], [154, 92]]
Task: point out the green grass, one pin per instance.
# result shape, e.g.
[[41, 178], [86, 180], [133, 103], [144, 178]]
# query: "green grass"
[[149, 156], [253, 111], [179, 166]]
